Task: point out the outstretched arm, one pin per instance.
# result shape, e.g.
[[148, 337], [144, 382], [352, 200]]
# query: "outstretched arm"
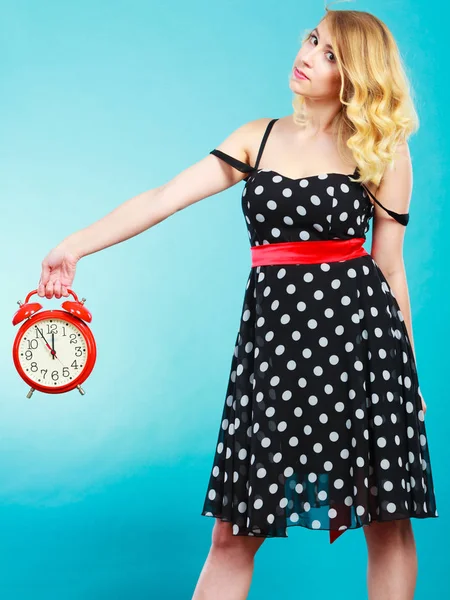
[[205, 178], [201, 180]]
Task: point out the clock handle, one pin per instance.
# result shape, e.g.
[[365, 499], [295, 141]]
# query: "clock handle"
[[76, 308], [35, 292]]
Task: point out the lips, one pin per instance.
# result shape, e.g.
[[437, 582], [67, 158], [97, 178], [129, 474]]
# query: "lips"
[[301, 73]]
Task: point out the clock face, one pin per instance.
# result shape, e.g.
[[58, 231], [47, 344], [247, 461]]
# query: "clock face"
[[52, 352]]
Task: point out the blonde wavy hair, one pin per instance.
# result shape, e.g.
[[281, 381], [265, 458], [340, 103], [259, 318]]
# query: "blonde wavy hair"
[[377, 106]]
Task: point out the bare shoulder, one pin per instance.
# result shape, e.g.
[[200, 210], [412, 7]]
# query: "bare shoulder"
[[241, 142], [396, 175], [399, 173], [395, 188], [213, 174], [394, 194]]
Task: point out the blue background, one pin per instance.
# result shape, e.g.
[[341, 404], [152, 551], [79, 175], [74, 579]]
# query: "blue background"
[[100, 495]]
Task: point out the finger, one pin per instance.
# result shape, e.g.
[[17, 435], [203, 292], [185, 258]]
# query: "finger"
[[45, 274], [57, 288], [49, 289]]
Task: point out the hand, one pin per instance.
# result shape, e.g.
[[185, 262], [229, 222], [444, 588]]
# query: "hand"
[[58, 272], [424, 406]]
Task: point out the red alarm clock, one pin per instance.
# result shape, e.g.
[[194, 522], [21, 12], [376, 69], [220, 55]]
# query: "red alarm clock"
[[54, 351]]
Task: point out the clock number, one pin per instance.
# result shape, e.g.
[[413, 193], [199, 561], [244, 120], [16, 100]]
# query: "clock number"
[[73, 338], [78, 351], [52, 328], [74, 364], [28, 354], [33, 367], [45, 372], [32, 344], [65, 372], [55, 375]]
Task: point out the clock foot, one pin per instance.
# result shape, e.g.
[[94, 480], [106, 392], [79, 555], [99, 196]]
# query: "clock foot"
[[80, 389], [30, 393]]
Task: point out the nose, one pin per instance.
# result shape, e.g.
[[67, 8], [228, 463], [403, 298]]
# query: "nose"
[[306, 61]]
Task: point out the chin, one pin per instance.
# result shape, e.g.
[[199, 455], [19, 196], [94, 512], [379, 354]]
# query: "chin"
[[294, 87]]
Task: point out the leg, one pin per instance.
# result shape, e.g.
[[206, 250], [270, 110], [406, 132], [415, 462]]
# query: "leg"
[[392, 566], [228, 570]]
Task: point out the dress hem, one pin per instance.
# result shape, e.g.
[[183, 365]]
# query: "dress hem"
[[251, 534]]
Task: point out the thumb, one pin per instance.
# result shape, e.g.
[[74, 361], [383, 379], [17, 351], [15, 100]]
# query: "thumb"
[[45, 275]]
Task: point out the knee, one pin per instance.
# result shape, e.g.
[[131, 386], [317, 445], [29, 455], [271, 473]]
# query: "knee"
[[383, 532], [222, 534], [223, 540]]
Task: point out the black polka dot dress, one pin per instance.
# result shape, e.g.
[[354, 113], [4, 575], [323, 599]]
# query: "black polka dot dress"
[[322, 424]]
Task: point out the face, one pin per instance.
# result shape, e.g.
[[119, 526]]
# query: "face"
[[317, 60]]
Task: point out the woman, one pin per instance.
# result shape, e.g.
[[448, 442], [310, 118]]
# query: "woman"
[[323, 423]]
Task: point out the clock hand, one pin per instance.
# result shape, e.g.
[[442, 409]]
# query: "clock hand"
[[48, 346], [52, 351], [53, 345], [42, 335]]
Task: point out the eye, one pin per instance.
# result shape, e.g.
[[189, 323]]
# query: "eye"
[[329, 52]]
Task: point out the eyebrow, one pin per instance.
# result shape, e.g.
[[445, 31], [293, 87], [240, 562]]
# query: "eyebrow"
[[326, 45]]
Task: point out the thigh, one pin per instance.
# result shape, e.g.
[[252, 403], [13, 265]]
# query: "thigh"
[[222, 537]]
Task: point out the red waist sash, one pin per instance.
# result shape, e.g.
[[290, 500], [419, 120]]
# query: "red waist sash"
[[316, 251], [308, 252]]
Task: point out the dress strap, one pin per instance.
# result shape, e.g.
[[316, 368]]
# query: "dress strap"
[[402, 218], [264, 140], [234, 162], [238, 164]]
